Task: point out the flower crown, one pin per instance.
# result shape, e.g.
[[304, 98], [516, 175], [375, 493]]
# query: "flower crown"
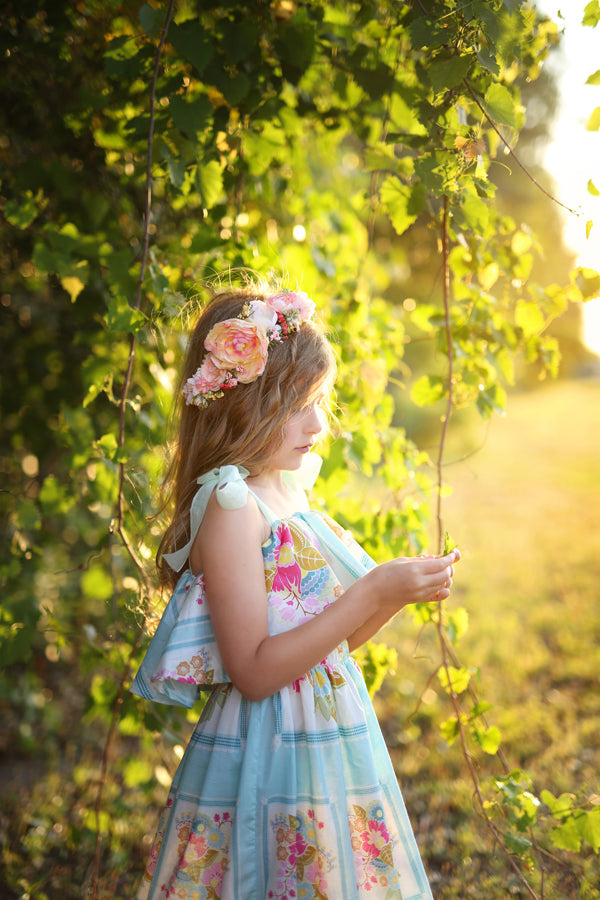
[[238, 348]]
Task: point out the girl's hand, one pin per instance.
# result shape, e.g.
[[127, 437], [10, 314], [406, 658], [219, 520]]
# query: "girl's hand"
[[419, 579], [396, 584]]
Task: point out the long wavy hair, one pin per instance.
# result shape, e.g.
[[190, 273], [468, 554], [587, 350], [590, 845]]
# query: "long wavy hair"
[[245, 425]]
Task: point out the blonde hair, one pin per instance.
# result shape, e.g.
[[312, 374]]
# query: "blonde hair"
[[244, 426]]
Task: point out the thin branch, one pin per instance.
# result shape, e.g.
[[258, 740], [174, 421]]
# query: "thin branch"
[[104, 764], [410, 717], [475, 699], [82, 567], [450, 401], [118, 525], [444, 647], [514, 155], [148, 208], [144, 260]]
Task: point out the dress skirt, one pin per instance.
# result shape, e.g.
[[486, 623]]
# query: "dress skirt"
[[293, 797]]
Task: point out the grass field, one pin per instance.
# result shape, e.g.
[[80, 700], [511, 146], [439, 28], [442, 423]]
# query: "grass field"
[[525, 510]]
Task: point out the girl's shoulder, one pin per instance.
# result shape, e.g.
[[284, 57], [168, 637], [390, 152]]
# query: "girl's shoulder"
[[223, 528]]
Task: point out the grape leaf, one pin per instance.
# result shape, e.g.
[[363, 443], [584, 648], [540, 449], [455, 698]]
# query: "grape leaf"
[[449, 544]]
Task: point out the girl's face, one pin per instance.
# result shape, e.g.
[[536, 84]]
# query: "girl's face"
[[300, 433]]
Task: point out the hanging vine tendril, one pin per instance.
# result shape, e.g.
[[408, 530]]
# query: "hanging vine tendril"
[[117, 526], [448, 654]]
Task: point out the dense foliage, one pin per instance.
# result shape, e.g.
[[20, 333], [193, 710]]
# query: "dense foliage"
[[150, 151]]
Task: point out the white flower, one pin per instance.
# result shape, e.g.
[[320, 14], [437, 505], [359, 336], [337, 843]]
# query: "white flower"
[[261, 314]]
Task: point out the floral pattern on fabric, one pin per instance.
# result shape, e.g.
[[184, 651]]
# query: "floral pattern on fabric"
[[324, 680], [198, 583], [302, 863], [202, 849], [216, 700], [296, 574], [198, 669], [155, 850], [372, 845], [336, 528]]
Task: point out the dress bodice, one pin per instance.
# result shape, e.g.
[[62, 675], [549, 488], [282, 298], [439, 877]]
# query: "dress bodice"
[[309, 561]]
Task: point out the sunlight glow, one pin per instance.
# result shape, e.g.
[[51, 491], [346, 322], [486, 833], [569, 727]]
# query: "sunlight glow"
[[573, 157], [299, 233], [591, 325]]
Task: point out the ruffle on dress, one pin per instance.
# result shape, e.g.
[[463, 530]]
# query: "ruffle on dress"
[[183, 658]]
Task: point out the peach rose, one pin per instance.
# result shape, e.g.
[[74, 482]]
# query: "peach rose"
[[239, 345]]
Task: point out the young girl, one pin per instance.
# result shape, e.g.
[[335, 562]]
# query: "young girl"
[[286, 789]]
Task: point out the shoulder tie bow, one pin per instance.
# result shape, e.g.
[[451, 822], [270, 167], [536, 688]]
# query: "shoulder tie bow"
[[231, 492]]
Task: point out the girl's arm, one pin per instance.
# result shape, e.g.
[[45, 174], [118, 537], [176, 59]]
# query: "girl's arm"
[[228, 551]]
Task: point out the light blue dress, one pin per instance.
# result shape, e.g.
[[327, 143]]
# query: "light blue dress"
[[293, 797]]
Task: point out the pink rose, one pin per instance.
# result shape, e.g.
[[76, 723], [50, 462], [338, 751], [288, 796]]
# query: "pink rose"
[[207, 378], [297, 305], [239, 345]]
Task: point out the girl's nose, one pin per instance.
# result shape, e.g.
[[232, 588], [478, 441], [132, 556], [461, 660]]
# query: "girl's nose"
[[314, 420]]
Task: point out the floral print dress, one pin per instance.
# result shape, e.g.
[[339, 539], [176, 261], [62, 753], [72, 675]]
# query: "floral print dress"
[[289, 798]]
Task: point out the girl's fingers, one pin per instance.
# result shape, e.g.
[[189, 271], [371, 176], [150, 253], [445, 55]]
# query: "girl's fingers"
[[441, 573], [451, 557], [421, 578], [443, 566]]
